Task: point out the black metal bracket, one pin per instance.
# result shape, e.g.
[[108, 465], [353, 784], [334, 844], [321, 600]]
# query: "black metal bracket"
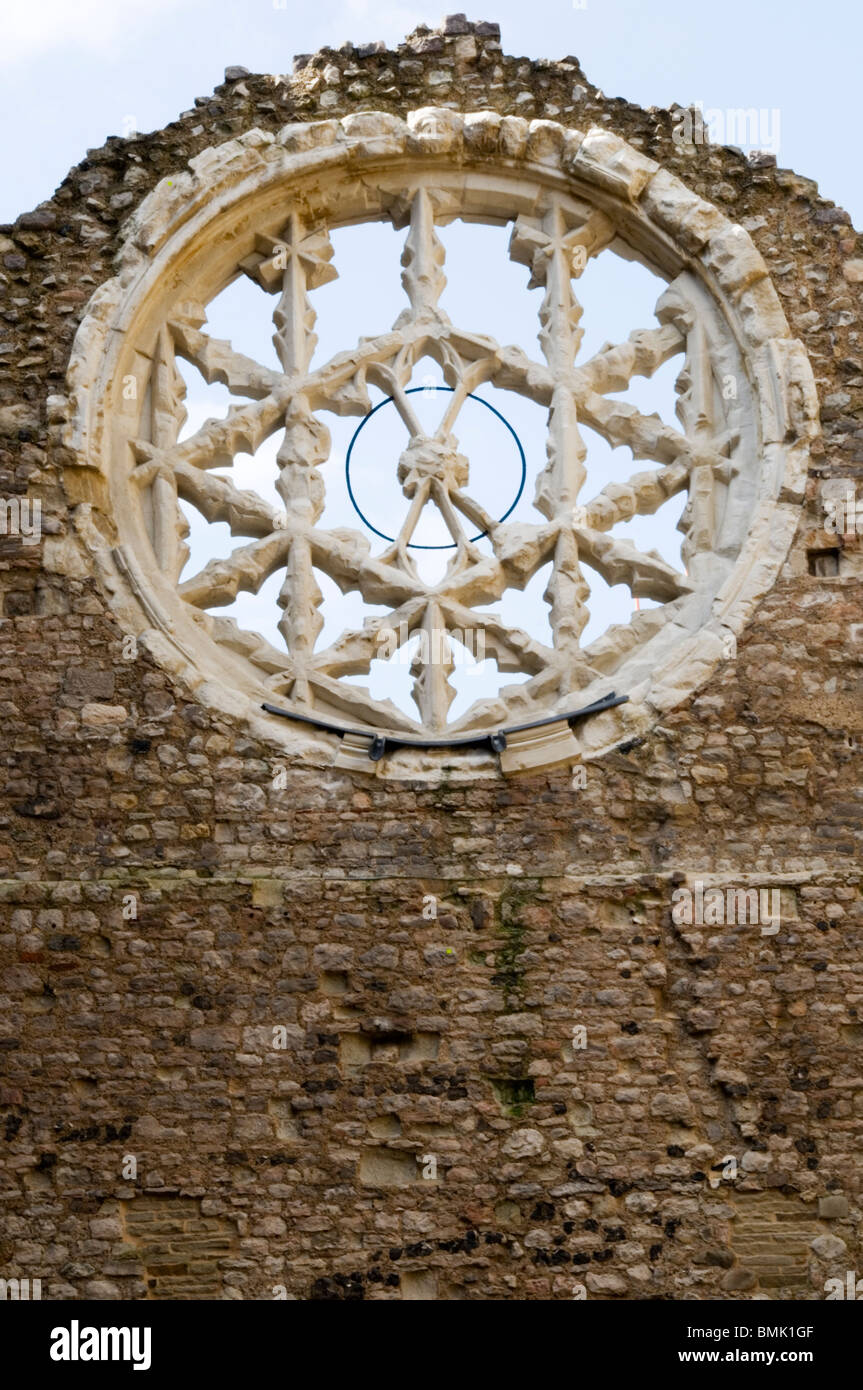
[[380, 744]]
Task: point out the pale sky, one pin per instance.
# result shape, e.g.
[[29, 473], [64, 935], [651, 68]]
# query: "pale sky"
[[71, 71]]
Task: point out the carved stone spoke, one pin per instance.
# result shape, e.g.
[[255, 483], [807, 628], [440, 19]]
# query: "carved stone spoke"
[[423, 259], [246, 513], [431, 668], [166, 415], [221, 580]]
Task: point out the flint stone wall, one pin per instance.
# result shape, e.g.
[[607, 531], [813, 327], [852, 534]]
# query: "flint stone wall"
[[307, 1167]]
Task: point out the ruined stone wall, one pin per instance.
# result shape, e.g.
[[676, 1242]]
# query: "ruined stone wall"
[[410, 1038]]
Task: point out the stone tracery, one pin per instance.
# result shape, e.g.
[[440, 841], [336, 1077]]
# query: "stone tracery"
[[718, 455]]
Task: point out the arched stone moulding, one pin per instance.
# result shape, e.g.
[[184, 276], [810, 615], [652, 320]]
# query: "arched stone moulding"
[[183, 245]]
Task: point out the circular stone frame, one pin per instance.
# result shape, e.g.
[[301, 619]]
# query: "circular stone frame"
[[208, 216]]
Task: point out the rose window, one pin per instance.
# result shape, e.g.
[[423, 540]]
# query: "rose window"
[[264, 207]]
